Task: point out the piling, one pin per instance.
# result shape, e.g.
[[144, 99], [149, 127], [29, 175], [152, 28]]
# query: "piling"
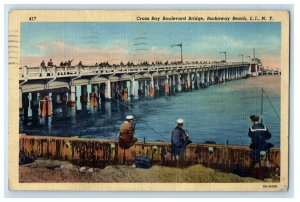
[[94, 100]]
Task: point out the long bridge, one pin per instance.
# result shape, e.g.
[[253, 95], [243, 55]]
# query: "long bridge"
[[50, 86]]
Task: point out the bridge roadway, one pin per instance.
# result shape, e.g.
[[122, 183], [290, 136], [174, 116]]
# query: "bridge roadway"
[[43, 78], [51, 85]]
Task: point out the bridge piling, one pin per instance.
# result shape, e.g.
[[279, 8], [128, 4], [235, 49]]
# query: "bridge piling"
[[188, 81], [108, 90], [151, 89], [141, 91], [202, 77], [216, 76], [220, 73], [173, 84], [132, 81], [196, 81], [72, 97], [207, 76], [212, 77], [102, 94], [84, 97], [94, 103], [25, 106], [167, 85], [35, 108]]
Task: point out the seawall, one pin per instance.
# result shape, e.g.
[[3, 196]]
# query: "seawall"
[[100, 153]]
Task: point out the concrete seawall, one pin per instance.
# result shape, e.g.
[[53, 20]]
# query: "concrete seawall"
[[99, 153]]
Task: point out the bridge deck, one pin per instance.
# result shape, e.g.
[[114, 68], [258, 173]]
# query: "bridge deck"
[[33, 73]]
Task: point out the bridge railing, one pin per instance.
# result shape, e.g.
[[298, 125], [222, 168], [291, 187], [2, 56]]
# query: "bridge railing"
[[28, 73]]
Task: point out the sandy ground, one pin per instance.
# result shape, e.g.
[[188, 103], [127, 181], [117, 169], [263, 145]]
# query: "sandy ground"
[[62, 171]]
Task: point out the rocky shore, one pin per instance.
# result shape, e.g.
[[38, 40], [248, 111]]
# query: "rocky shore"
[[49, 171]]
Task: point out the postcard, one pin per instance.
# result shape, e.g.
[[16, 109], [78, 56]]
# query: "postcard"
[[148, 100]]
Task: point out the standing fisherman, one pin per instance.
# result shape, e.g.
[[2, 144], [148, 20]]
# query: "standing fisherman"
[[259, 135]]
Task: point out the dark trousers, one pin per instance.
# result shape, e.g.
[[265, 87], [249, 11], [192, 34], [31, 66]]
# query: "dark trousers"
[[255, 156]]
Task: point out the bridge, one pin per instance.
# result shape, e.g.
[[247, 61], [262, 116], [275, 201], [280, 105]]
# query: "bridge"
[[270, 72], [52, 86]]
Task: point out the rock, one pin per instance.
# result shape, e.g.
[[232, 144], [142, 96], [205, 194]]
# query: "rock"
[[268, 179], [107, 167], [90, 170], [82, 169], [24, 159], [53, 167]]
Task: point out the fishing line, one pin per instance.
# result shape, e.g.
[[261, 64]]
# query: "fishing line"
[[275, 111], [136, 112]]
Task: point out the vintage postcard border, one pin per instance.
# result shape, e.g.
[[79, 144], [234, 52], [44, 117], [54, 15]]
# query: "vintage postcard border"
[[18, 16]]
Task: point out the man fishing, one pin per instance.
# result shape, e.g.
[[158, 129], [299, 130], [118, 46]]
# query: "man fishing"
[[179, 141], [126, 136], [259, 135]]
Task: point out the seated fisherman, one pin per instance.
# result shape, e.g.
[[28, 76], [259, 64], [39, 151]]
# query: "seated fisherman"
[[259, 135], [126, 136]]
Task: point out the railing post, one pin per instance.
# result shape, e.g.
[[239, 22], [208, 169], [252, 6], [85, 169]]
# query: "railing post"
[[54, 71], [40, 71], [25, 71], [132, 86]]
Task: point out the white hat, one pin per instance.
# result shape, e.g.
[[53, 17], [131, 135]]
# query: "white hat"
[[129, 117], [180, 121]]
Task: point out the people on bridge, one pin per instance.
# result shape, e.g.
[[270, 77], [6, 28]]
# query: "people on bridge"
[[61, 64], [80, 63], [126, 136], [179, 141], [259, 135], [43, 64], [69, 63], [50, 63]]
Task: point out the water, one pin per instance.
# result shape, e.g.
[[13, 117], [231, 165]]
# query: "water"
[[218, 113]]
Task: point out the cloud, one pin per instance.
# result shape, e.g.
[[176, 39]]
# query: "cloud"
[[216, 43], [60, 51]]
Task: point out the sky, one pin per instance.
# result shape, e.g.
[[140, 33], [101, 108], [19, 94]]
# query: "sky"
[[92, 42]]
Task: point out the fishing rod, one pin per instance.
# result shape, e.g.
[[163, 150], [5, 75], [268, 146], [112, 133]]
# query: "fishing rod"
[[262, 105], [155, 131]]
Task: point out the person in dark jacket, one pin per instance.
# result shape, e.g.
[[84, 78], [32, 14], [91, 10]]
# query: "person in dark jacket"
[[50, 63], [43, 64], [179, 141], [259, 135]]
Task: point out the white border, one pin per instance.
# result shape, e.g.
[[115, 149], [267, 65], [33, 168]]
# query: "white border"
[[294, 96]]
